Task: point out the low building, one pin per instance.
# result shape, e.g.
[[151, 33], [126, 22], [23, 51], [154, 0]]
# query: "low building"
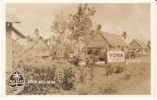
[[138, 47], [102, 42], [36, 49]]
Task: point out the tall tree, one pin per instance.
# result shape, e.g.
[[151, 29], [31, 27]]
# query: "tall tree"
[[80, 23], [59, 26]]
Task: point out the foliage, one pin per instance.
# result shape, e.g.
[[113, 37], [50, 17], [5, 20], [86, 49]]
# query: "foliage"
[[111, 68], [82, 74], [59, 24], [69, 78], [59, 27], [36, 33], [149, 44], [108, 69], [64, 78], [80, 22], [124, 35], [38, 73], [91, 73]]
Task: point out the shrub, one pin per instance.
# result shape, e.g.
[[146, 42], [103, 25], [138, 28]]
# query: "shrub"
[[82, 74], [118, 69], [69, 78], [45, 73], [59, 79], [108, 70], [91, 73]]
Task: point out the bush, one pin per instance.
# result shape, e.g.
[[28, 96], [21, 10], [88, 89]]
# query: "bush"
[[59, 79], [64, 79], [91, 73], [118, 69], [82, 74], [69, 78], [108, 70], [44, 73]]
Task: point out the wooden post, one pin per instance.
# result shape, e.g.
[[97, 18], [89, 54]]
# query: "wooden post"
[[8, 47]]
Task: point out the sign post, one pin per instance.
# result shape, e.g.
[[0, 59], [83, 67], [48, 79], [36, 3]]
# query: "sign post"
[[115, 56]]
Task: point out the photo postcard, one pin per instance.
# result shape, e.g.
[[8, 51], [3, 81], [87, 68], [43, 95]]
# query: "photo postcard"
[[78, 48]]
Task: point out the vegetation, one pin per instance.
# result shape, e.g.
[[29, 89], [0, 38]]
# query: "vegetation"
[[81, 80], [124, 35], [68, 76], [80, 23]]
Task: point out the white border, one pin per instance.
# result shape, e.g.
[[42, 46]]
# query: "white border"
[[3, 45], [0, 47], [79, 1]]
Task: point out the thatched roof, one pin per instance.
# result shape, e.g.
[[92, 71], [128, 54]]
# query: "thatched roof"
[[112, 39], [139, 42], [39, 45], [11, 18]]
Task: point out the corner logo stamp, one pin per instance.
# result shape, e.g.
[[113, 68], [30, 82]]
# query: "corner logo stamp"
[[16, 82]]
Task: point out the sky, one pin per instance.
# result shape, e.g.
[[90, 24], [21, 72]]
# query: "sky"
[[134, 18]]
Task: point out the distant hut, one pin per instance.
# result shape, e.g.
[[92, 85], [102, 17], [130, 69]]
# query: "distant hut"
[[102, 42], [10, 19], [36, 49], [138, 47], [16, 50]]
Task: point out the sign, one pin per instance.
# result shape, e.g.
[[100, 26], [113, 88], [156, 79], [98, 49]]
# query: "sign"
[[116, 56]]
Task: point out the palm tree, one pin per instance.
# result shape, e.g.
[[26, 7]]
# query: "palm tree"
[[36, 33], [124, 35], [149, 44], [98, 27]]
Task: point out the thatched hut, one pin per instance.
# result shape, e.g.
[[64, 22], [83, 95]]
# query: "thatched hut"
[[102, 42], [36, 49], [139, 47]]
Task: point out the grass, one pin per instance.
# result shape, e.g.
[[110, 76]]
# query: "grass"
[[87, 81]]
